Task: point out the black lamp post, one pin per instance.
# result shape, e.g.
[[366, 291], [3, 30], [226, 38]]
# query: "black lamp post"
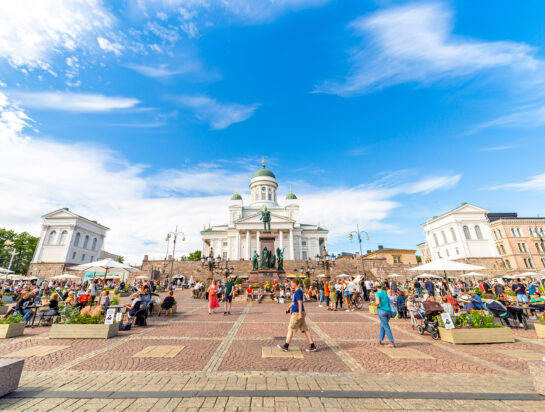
[[359, 233], [326, 262]]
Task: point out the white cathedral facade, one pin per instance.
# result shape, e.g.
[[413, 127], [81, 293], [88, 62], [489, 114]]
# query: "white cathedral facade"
[[238, 239]]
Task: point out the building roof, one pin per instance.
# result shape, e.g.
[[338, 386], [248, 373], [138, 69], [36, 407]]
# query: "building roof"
[[452, 210], [492, 217], [50, 214], [263, 172]]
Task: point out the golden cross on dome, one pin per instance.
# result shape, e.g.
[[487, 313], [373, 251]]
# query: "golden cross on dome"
[[263, 161]]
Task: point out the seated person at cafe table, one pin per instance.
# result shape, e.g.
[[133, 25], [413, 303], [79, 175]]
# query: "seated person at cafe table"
[[468, 304], [133, 307], [476, 300], [84, 299], [537, 303]]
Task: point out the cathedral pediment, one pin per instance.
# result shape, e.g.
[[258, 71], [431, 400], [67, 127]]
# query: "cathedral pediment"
[[255, 219]]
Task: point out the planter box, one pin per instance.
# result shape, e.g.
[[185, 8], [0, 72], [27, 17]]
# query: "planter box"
[[372, 310], [7, 299], [12, 330], [10, 374], [537, 370], [70, 331], [477, 335], [3, 310], [157, 307], [540, 330]]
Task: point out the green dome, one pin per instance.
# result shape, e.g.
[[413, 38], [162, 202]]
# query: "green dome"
[[264, 172], [291, 195], [236, 196]]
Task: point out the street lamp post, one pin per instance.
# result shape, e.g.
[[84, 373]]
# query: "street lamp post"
[[214, 267], [326, 262], [174, 235], [10, 243], [359, 233]]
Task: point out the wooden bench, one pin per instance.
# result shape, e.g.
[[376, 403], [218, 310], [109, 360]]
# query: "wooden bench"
[[10, 374]]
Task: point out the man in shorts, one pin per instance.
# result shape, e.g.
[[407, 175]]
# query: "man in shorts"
[[228, 299], [297, 320]]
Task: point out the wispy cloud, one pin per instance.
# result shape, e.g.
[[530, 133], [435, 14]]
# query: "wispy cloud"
[[109, 46], [219, 115], [496, 148], [524, 117], [536, 182], [33, 32], [75, 102], [415, 43], [162, 70]]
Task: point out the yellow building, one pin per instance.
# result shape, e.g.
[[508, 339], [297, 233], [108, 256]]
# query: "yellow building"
[[392, 256]]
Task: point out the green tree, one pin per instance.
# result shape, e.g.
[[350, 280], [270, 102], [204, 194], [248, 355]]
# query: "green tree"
[[24, 246], [418, 259], [121, 259], [196, 255]]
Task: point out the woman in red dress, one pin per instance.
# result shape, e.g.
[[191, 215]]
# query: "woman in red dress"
[[212, 298]]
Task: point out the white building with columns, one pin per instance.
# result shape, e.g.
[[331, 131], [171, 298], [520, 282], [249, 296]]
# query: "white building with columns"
[[238, 239], [69, 239]]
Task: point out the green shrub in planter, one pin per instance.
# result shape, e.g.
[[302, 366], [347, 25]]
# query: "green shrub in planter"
[[238, 281], [11, 319], [117, 292], [114, 301]]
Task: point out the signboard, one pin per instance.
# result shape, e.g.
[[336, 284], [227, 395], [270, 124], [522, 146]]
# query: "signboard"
[[447, 320], [110, 315], [118, 316]]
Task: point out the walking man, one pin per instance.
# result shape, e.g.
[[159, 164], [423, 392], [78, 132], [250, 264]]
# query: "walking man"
[[297, 319], [228, 299]]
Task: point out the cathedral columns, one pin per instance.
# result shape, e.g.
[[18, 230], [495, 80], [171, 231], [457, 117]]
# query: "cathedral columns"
[[258, 248], [292, 251], [281, 244], [237, 251], [248, 256], [301, 247]]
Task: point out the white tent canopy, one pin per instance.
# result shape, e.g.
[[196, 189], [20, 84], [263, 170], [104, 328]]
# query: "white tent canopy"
[[446, 265], [141, 277], [393, 275], [4, 270], [343, 275], [474, 274], [427, 275]]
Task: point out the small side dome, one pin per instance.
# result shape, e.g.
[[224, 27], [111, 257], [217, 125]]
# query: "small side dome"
[[291, 195], [236, 196]]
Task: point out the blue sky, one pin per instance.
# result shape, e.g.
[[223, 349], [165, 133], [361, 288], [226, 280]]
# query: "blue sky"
[[148, 114]]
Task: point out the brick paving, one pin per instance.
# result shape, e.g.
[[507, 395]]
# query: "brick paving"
[[224, 353]]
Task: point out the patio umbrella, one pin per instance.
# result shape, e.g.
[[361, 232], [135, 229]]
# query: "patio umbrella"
[[474, 274], [321, 276], [427, 275], [342, 275], [4, 270], [65, 276], [108, 265], [445, 265], [142, 277], [393, 275]]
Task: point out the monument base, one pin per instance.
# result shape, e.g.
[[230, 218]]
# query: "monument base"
[[260, 276]]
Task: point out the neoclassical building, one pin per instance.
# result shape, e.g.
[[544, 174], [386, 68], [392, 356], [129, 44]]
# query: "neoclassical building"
[[239, 238]]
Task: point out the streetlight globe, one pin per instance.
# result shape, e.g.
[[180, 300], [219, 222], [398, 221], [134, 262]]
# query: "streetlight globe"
[[183, 238], [350, 238]]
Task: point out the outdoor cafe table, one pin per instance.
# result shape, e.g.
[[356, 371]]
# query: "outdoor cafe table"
[[35, 307], [116, 307]]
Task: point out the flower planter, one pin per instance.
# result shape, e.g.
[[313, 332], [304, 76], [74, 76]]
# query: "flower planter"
[[372, 309], [477, 335], [540, 330], [86, 331], [3, 310], [11, 330], [537, 370]]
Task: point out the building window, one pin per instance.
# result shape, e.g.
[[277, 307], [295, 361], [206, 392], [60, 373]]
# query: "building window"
[[499, 251], [397, 259], [52, 238], [466, 233], [76, 240], [537, 247], [507, 264], [513, 232], [495, 234], [502, 249], [304, 243], [439, 255], [74, 256], [457, 251], [304, 255], [444, 237], [524, 247], [543, 262], [453, 234], [518, 232], [499, 233], [64, 235], [224, 243], [92, 257], [86, 242], [263, 195], [224, 255], [83, 257], [95, 243], [531, 231], [447, 252], [435, 239], [478, 232], [542, 232]]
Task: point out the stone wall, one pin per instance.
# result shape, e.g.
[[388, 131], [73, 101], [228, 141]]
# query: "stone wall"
[[46, 270]]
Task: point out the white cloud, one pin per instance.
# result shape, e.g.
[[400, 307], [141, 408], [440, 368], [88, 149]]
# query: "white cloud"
[[141, 206], [525, 117], [162, 70], [32, 32], [219, 115], [537, 182], [75, 102], [496, 148], [415, 43], [109, 46]]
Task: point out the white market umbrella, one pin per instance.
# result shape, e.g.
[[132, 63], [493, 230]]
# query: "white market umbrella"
[[16, 277], [427, 275], [474, 274], [242, 276], [321, 276], [393, 275], [141, 277], [65, 276], [4, 270], [343, 276], [106, 265], [446, 265], [529, 275]]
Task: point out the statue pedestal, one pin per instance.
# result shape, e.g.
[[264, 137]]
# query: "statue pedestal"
[[266, 240]]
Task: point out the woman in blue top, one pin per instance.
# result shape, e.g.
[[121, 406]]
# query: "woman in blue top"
[[383, 310]]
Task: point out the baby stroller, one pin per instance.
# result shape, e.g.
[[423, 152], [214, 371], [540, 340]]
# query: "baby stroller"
[[428, 323]]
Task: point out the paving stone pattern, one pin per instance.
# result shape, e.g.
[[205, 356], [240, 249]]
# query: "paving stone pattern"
[[192, 352]]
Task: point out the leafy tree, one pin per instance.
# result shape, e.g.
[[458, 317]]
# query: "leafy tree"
[[121, 259], [24, 245], [418, 259], [196, 255]]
